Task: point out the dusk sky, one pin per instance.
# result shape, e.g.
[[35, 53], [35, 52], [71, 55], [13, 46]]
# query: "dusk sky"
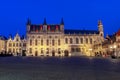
[[77, 14]]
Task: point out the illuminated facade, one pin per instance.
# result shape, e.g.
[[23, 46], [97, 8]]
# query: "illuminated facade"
[[16, 45], [111, 44], [53, 40], [2, 43]]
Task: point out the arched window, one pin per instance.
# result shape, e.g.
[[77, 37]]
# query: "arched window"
[[71, 40], [59, 42], [66, 40], [77, 41], [30, 42]]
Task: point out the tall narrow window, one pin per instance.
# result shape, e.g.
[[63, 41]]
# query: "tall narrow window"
[[19, 44], [13, 44], [77, 41], [86, 40], [36, 42], [30, 42], [47, 42], [42, 42], [72, 50], [59, 42], [81, 40], [71, 40], [30, 50], [90, 40], [53, 42], [13, 50], [66, 40], [17, 39], [9, 50], [16, 44], [24, 44], [10, 44]]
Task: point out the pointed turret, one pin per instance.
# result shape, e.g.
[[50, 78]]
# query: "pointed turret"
[[28, 22], [44, 23], [100, 28], [62, 22], [62, 26], [99, 22]]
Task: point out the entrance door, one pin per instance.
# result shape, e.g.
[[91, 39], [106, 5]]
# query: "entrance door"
[[66, 53], [23, 52], [53, 53], [36, 53]]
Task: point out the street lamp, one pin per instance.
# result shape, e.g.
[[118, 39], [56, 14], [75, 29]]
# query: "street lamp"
[[115, 50]]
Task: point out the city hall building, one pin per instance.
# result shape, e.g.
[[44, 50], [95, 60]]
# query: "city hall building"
[[54, 40]]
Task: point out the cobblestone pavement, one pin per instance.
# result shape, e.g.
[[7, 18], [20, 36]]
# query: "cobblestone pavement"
[[75, 68]]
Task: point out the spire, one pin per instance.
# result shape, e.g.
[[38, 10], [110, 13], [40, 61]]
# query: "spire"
[[62, 22], [17, 34], [10, 36], [28, 21], [45, 23], [99, 22]]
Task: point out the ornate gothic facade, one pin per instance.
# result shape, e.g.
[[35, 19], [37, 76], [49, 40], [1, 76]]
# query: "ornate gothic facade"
[[53, 40]]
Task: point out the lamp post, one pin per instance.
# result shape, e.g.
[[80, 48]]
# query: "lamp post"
[[115, 50]]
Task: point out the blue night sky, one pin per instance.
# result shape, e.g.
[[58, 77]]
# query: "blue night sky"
[[77, 14]]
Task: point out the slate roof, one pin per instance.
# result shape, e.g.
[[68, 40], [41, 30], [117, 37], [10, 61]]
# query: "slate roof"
[[40, 27], [67, 31], [3, 37]]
